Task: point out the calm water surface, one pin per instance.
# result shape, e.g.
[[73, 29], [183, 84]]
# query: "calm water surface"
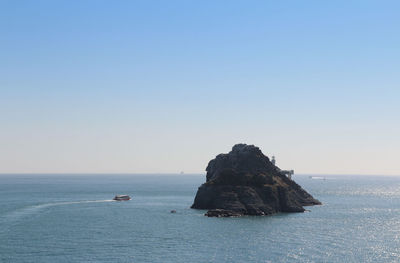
[[61, 218]]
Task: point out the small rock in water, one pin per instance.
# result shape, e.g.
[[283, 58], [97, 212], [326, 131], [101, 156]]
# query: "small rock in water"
[[173, 211], [222, 213]]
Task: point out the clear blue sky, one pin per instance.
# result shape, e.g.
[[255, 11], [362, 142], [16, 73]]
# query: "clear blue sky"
[[164, 86]]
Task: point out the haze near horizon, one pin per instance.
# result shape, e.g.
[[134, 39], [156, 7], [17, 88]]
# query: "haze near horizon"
[[165, 86]]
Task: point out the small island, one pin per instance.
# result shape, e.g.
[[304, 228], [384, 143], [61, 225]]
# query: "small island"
[[246, 182]]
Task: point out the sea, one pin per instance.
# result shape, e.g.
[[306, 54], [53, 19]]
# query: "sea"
[[72, 218]]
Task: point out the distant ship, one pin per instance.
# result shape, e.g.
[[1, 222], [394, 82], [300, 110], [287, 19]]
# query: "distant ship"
[[122, 198], [317, 177]]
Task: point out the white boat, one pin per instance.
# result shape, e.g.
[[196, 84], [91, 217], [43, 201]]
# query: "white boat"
[[122, 198]]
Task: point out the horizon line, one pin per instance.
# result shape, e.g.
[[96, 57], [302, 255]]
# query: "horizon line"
[[167, 173]]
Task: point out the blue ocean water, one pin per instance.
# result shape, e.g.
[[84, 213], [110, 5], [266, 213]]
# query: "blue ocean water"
[[70, 218]]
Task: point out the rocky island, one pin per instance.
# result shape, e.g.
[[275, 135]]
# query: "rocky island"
[[246, 182]]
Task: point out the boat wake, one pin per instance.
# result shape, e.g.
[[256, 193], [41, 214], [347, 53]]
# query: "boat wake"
[[30, 210]]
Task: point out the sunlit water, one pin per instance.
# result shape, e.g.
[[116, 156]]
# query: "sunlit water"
[[60, 218]]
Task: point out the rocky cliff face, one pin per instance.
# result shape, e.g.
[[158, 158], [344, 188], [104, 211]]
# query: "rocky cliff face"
[[245, 182]]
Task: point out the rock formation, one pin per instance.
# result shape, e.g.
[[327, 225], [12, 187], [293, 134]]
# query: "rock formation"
[[245, 182]]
